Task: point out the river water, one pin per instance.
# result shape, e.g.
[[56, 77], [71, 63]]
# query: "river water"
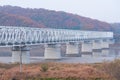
[[85, 59]]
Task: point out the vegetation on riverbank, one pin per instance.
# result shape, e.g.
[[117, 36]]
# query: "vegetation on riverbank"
[[61, 71]]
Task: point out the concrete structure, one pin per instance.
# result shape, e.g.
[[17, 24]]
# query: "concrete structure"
[[23, 51], [77, 42], [52, 51], [105, 47], [73, 49], [86, 48], [97, 47]]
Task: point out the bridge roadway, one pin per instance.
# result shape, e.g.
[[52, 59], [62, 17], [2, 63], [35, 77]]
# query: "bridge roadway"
[[77, 42]]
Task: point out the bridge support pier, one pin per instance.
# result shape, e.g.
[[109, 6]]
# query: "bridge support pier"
[[23, 51], [73, 50], [105, 47], [86, 48], [97, 48], [52, 51]]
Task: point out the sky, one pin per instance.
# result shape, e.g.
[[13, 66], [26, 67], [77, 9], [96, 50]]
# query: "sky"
[[104, 10]]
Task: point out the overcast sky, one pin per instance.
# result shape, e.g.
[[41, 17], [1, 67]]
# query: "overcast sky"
[[104, 10]]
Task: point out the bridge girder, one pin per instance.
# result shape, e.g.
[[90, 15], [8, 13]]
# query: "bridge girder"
[[26, 35]]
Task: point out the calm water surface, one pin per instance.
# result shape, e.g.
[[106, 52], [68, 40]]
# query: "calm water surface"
[[84, 59]]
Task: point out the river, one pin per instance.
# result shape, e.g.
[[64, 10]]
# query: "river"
[[84, 59]]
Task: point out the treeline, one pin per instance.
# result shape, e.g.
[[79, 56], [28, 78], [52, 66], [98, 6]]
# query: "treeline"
[[18, 16]]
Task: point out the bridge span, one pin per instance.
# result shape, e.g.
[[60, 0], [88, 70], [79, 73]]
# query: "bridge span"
[[77, 42]]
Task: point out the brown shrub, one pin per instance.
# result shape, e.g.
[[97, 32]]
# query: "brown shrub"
[[55, 70], [112, 68]]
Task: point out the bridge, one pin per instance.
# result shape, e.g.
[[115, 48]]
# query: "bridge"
[[78, 42]]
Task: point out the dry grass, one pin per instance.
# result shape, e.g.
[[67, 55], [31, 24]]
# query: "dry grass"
[[56, 71], [112, 68]]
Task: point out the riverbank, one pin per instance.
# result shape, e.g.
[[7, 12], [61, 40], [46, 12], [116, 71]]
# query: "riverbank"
[[107, 70], [52, 71]]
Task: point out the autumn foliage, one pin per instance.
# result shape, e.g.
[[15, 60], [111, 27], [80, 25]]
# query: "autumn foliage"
[[17, 16], [55, 70]]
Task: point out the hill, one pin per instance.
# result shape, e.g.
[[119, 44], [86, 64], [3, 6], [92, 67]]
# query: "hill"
[[15, 20], [116, 30], [17, 16], [116, 27]]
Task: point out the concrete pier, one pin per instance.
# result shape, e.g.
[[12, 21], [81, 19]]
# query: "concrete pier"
[[23, 51], [105, 47], [86, 48], [97, 48], [52, 51], [73, 49]]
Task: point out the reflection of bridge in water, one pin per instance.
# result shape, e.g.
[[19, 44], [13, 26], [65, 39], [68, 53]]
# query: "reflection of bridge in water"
[[77, 42]]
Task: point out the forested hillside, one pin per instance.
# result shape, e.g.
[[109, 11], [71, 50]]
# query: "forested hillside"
[[17, 16]]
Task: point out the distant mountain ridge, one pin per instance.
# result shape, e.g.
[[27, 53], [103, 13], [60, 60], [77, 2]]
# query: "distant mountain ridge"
[[17, 16]]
